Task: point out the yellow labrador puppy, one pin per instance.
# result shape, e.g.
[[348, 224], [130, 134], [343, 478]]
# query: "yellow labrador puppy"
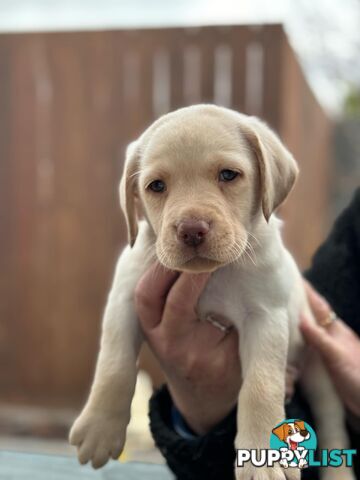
[[209, 180]]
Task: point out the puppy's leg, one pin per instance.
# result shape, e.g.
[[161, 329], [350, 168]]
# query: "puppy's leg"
[[328, 414], [99, 431], [263, 351]]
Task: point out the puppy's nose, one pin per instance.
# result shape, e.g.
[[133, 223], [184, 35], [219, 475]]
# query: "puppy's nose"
[[192, 232]]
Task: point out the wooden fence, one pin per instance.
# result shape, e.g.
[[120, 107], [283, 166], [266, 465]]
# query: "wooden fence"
[[69, 103]]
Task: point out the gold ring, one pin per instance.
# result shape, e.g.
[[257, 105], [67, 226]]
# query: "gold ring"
[[329, 319]]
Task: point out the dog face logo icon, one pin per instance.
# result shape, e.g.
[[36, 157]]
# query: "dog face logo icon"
[[290, 435]]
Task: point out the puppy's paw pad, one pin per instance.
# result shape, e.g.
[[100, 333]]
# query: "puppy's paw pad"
[[97, 437]]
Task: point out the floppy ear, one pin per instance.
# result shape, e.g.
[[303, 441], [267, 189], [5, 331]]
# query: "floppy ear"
[[277, 167], [300, 424], [127, 190], [280, 431]]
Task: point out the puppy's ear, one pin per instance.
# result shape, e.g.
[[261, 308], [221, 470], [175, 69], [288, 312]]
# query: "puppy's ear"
[[127, 190], [277, 167], [300, 424], [280, 431]]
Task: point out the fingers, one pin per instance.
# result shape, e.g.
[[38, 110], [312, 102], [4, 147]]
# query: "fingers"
[[181, 301], [230, 343], [325, 340], [326, 335], [151, 293], [319, 306], [162, 296], [347, 333], [323, 313]]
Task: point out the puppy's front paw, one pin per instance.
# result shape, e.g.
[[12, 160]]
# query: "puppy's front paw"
[[284, 463], [249, 472], [98, 436]]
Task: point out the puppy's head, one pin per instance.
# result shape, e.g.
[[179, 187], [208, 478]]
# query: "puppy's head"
[[204, 176]]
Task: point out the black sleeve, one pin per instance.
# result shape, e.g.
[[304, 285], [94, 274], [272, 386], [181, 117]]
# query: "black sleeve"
[[335, 273], [335, 270], [209, 457]]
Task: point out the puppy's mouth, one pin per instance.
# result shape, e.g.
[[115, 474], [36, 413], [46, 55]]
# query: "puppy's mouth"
[[201, 258], [197, 250], [195, 260], [293, 445]]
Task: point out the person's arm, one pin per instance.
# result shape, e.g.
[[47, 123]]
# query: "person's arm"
[[200, 362], [190, 449], [209, 456], [335, 273], [194, 426], [187, 458], [202, 371], [335, 268], [339, 347]]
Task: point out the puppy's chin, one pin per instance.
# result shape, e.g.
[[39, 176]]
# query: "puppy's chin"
[[200, 265], [196, 264]]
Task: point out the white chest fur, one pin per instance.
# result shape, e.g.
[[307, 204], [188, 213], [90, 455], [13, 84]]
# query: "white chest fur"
[[244, 292]]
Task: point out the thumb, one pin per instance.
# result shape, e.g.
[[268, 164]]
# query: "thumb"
[[181, 302], [150, 295]]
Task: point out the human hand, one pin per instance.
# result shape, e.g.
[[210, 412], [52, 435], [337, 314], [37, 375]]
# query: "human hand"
[[339, 347], [200, 362]]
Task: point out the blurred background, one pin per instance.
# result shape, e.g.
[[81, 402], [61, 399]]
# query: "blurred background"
[[78, 81]]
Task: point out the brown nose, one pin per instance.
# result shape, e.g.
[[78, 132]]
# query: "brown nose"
[[192, 232]]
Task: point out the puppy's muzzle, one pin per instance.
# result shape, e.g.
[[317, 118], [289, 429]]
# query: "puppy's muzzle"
[[192, 232]]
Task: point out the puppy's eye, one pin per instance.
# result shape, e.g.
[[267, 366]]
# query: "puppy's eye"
[[227, 175], [157, 186]]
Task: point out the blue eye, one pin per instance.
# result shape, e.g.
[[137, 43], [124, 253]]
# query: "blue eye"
[[157, 186], [227, 175]]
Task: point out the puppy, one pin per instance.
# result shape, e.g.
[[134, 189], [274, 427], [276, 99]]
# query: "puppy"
[[208, 180]]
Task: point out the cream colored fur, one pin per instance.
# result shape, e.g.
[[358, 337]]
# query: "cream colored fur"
[[255, 282]]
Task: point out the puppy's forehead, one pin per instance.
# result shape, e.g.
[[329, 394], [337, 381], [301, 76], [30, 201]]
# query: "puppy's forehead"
[[192, 136]]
